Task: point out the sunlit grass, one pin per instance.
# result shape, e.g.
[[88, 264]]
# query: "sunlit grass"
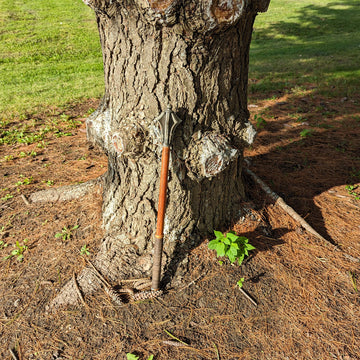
[[298, 42], [49, 54]]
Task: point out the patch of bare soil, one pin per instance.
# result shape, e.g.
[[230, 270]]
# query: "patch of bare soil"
[[308, 304]]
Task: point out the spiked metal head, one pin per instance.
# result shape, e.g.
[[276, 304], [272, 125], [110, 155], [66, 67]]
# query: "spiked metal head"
[[168, 121]]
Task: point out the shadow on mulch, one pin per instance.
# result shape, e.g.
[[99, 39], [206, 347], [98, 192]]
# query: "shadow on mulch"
[[308, 152]]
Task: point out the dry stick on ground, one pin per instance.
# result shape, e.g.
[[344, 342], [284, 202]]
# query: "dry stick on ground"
[[191, 283], [172, 343], [13, 355], [106, 282], [67, 192], [248, 296], [25, 200]]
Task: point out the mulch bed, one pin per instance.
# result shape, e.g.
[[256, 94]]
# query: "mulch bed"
[[307, 292]]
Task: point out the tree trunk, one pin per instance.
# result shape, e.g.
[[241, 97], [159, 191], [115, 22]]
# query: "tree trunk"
[[192, 55]]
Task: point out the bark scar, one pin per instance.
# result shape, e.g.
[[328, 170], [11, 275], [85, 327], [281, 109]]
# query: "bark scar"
[[226, 10], [161, 5]]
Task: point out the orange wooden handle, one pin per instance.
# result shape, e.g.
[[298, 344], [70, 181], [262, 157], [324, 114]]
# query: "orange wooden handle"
[[162, 192], [158, 246]]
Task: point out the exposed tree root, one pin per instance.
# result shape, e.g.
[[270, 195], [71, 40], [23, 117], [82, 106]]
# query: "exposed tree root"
[[80, 295], [280, 202], [115, 261], [68, 192]]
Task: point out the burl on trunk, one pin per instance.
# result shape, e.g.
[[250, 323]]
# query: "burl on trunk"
[[191, 55]]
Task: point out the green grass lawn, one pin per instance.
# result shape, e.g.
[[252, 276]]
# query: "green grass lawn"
[[309, 41], [50, 53]]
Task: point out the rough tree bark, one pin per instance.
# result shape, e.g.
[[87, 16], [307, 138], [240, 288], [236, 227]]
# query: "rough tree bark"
[[192, 55]]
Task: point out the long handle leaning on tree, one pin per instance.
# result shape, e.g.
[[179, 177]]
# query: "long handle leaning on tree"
[[168, 122]]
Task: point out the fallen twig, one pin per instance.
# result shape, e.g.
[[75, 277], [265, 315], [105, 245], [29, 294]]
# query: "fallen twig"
[[248, 296], [97, 272], [117, 296], [26, 201], [134, 280], [13, 355], [67, 192], [108, 288], [172, 343]]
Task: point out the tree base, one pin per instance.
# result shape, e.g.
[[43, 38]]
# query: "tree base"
[[117, 262]]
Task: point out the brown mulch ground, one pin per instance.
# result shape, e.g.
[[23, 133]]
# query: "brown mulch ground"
[[307, 293]]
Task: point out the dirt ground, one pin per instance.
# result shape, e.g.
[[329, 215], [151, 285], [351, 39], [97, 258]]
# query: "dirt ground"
[[307, 291]]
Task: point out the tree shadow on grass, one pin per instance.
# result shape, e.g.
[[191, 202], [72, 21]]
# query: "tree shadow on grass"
[[311, 45]]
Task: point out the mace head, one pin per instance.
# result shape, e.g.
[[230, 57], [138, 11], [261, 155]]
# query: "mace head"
[[168, 121]]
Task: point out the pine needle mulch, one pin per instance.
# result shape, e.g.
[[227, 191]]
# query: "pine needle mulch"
[[307, 292]]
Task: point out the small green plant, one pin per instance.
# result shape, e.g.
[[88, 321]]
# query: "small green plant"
[[25, 181], [130, 356], [64, 117], [84, 250], [42, 144], [240, 283], [353, 280], [66, 233], [72, 123], [90, 111], [3, 244], [301, 119], [351, 190], [60, 134], [231, 245], [31, 153], [18, 251], [306, 132], [7, 197], [49, 182], [355, 173], [260, 122], [8, 157]]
